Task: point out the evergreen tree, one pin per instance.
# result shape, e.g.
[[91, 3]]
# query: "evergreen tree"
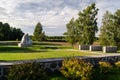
[[87, 25], [38, 34]]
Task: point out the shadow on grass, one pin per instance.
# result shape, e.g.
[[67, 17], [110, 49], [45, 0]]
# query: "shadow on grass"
[[18, 50], [35, 43], [34, 48]]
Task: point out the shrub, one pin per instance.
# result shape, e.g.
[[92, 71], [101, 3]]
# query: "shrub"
[[117, 64], [105, 67], [75, 69], [28, 71]]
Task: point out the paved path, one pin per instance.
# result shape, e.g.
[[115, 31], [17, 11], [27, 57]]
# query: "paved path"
[[97, 53], [100, 53]]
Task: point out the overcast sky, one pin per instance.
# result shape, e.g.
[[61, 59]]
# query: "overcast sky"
[[52, 14]]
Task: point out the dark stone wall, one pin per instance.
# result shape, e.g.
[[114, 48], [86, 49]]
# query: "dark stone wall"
[[83, 47], [95, 48], [110, 49]]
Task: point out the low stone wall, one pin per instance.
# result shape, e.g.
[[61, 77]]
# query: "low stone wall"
[[106, 49], [95, 48], [83, 47], [110, 49], [55, 64]]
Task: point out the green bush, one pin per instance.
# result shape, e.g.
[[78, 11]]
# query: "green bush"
[[75, 69], [105, 67], [28, 71]]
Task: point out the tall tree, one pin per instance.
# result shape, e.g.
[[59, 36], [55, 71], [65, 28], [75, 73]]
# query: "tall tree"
[[117, 25], [1, 31], [38, 33], [17, 33], [87, 24], [106, 36], [6, 31], [71, 35], [9, 33], [110, 30]]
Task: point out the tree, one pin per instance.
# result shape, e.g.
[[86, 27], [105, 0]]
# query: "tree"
[[71, 34], [38, 34], [1, 31], [17, 33], [117, 25], [87, 25], [9, 33], [106, 36], [110, 30]]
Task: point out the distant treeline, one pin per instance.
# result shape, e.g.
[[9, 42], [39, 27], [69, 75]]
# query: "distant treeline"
[[51, 38], [9, 33], [55, 38]]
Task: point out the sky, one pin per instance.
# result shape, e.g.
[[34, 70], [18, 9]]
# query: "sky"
[[52, 14]]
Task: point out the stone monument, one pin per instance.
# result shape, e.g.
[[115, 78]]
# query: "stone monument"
[[25, 42], [83, 47], [110, 49], [95, 48]]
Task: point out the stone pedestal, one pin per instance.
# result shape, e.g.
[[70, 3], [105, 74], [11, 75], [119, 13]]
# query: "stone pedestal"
[[110, 49], [95, 48], [83, 47], [25, 42], [24, 45]]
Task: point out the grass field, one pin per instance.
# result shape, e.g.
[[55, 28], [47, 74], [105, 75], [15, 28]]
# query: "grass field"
[[46, 50], [39, 51]]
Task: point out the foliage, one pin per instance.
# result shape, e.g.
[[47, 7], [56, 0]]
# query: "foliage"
[[55, 38], [106, 71], [84, 28], [9, 33], [56, 76], [75, 69], [32, 37], [27, 71], [105, 67], [87, 25], [117, 64], [38, 33], [110, 30], [71, 34]]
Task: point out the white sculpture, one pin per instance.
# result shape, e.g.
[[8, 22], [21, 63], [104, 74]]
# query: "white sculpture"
[[25, 42]]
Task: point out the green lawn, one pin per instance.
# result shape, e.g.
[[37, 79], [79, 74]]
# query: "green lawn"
[[40, 51], [11, 52]]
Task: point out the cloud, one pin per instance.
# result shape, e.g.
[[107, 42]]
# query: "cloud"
[[104, 6], [53, 14]]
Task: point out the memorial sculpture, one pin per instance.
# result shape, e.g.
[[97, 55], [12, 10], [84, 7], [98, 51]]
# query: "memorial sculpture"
[[25, 42]]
